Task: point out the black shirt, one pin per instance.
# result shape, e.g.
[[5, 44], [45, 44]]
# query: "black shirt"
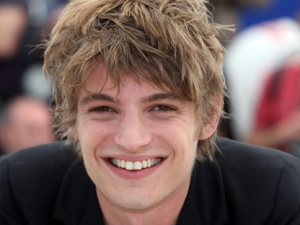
[[244, 185]]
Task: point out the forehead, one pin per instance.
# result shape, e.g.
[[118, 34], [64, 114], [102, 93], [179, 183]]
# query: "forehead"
[[99, 80]]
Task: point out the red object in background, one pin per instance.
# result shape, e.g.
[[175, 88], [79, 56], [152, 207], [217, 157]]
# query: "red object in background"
[[280, 96]]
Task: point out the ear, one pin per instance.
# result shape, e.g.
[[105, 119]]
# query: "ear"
[[208, 130]]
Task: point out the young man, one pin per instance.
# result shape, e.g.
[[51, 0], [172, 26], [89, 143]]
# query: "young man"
[[138, 89]]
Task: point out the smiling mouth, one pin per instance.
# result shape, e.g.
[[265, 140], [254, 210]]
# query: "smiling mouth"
[[137, 165]]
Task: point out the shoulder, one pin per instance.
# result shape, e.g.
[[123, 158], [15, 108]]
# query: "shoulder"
[[30, 179], [231, 154], [264, 181], [39, 160]]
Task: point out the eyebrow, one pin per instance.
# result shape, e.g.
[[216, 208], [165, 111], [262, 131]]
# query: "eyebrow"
[[160, 96], [96, 97], [104, 97]]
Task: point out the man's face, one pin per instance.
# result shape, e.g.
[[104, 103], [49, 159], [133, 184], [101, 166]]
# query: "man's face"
[[138, 145]]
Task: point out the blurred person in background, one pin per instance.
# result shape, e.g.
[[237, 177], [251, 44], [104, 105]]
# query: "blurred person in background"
[[13, 25], [25, 122], [277, 119], [229, 12], [249, 15], [263, 69], [23, 24], [13, 21]]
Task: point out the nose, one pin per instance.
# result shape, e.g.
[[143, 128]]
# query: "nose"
[[132, 133]]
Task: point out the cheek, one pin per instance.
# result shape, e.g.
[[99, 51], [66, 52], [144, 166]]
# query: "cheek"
[[87, 134], [89, 129], [182, 141], [90, 138], [92, 134]]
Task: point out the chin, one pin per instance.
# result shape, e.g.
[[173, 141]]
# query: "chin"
[[133, 201], [135, 204]]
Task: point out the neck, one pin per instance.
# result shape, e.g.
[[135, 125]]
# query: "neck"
[[141, 218], [163, 213]]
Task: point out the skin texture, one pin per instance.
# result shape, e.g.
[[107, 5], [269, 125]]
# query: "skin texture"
[[137, 123]]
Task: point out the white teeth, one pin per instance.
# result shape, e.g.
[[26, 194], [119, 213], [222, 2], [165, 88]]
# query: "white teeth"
[[137, 165], [128, 165], [149, 162], [122, 163], [144, 164]]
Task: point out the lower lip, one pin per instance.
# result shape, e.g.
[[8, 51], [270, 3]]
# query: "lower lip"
[[133, 174]]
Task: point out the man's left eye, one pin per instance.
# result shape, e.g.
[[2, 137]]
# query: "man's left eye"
[[163, 108]]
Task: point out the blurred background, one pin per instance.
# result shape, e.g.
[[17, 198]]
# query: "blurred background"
[[262, 69], [25, 117]]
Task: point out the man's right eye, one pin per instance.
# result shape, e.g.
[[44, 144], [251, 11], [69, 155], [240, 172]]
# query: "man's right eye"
[[101, 109]]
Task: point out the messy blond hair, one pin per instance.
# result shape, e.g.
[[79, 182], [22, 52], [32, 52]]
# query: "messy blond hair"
[[170, 43]]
